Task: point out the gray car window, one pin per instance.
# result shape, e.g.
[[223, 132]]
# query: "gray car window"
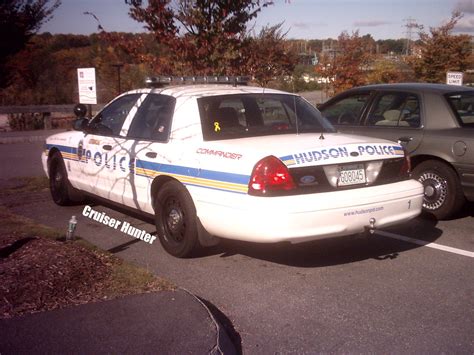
[[347, 110], [395, 110], [463, 106]]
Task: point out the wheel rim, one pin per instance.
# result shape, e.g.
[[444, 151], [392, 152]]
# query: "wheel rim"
[[173, 220], [435, 189]]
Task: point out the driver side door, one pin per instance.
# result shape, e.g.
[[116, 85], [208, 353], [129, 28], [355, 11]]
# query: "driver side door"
[[103, 150]]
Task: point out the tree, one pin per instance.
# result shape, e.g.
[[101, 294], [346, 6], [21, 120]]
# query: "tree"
[[203, 36], [388, 71], [267, 55], [439, 51], [394, 46], [346, 65], [19, 20]]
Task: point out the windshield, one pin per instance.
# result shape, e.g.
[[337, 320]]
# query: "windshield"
[[252, 115], [463, 106]]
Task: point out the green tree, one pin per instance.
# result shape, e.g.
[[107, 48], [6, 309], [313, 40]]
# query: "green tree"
[[19, 21], [395, 46], [439, 51]]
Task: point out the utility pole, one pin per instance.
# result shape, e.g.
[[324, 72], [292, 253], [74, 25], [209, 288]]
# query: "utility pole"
[[410, 24], [118, 66]]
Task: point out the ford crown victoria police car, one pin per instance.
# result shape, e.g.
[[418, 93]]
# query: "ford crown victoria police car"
[[236, 162]]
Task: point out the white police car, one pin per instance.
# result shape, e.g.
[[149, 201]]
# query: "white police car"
[[232, 161]]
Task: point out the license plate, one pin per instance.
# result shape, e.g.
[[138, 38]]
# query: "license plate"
[[351, 175]]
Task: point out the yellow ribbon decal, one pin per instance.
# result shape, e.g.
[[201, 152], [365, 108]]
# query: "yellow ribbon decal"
[[217, 128]]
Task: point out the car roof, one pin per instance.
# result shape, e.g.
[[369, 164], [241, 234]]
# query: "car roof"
[[198, 90], [425, 87]]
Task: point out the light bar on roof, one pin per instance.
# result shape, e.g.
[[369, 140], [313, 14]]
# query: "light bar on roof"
[[181, 80]]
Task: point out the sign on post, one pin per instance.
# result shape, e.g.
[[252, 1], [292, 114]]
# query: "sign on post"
[[454, 78], [86, 83]]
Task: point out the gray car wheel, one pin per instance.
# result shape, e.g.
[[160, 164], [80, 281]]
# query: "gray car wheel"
[[443, 193]]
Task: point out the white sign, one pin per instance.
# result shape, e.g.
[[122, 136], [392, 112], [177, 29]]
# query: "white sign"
[[454, 78], [86, 83]]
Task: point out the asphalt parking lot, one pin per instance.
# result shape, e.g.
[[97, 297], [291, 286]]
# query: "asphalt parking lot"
[[405, 289]]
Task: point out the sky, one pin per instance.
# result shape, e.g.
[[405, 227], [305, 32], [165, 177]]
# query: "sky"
[[303, 19]]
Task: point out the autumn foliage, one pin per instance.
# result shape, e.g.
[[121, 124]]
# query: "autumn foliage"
[[19, 21], [205, 37], [201, 37], [346, 66], [439, 51]]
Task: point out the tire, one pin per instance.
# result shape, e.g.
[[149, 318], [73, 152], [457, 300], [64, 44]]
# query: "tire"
[[176, 220], [443, 193], [59, 184]]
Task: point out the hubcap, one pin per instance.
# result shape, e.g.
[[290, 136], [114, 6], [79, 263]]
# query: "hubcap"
[[436, 190], [57, 180], [173, 219]]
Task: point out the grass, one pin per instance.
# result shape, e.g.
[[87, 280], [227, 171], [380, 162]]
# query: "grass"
[[122, 277], [26, 184]]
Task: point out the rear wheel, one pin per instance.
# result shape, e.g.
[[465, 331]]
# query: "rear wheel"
[[175, 219], [58, 182], [443, 193]]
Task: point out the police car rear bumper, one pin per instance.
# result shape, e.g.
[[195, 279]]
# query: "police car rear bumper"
[[309, 217]]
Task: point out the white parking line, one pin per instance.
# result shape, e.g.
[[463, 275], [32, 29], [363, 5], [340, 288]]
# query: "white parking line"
[[426, 244]]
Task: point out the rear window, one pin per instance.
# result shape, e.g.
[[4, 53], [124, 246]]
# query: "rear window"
[[463, 106], [252, 115]]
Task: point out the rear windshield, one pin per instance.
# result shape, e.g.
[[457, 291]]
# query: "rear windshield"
[[252, 115], [463, 106]]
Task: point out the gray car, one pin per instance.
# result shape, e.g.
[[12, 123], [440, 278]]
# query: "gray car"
[[434, 122]]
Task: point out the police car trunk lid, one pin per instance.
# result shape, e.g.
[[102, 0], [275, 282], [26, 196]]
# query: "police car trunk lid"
[[330, 161]]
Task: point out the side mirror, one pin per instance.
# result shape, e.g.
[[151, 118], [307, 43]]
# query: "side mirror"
[[80, 124], [80, 110]]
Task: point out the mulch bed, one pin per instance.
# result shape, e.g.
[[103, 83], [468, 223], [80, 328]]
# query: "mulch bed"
[[41, 274]]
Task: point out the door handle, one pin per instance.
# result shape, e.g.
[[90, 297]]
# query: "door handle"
[[151, 154], [107, 147], [405, 140]]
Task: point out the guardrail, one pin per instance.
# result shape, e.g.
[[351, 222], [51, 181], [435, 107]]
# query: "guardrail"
[[41, 112], [42, 108]]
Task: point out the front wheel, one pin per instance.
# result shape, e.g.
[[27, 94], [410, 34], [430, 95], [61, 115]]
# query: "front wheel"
[[443, 193], [175, 219], [58, 181]]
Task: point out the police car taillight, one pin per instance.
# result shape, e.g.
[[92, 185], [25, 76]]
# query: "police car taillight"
[[270, 177]]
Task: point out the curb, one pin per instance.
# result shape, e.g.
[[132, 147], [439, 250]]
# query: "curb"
[[224, 344]]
